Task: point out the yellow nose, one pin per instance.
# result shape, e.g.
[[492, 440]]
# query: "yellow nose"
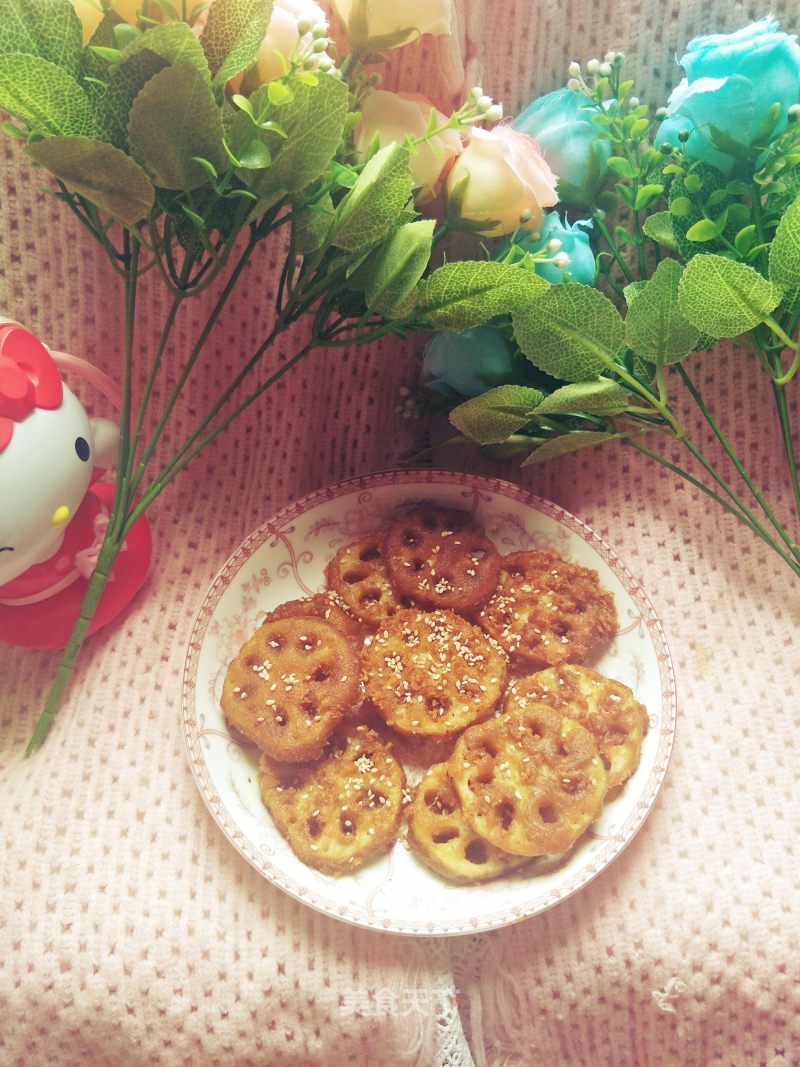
[[60, 516]]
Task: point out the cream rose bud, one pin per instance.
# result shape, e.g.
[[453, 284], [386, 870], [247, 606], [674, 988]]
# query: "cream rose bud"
[[367, 21], [395, 116], [500, 175], [283, 34]]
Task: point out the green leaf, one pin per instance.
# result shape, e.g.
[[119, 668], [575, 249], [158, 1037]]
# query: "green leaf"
[[744, 239], [647, 195], [621, 167], [125, 81], [175, 43], [311, 224], [311, 126], [658, 228], [254, 156], [724, 298], [233, 35], [49, 29], [44, 96], [278, 93], [463, 294], [784, 255], [571, 332], [655, 327], [100, 173], [494, 415], [704, 230], [599, 397], [689, 194], [680, 206], [393, 269], [632, 290], [174, 118], [368, 212], [573, 442]]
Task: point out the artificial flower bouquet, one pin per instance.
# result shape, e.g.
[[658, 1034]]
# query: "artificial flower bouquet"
[[181, 136], [675, 229]]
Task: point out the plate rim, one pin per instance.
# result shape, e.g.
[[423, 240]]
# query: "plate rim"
[[618, 842]]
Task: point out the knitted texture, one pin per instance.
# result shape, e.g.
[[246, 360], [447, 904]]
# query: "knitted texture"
[[132, 933]]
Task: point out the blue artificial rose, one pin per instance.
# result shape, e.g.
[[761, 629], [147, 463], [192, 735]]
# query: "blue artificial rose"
[[732, 80], [574, 240], [561, 123], [469, 363]]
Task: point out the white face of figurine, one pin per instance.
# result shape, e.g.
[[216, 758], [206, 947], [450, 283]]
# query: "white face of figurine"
[[45, 471]]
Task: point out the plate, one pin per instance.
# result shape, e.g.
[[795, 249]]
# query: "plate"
[[285, 558]]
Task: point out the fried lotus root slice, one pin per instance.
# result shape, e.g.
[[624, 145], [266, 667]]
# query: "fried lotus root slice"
[[343, 810], [607, 709], [358, 575], [441, 558], [290, 685], [547, 611], [530, 781], [321, 606], [445, 842], [431, 673]]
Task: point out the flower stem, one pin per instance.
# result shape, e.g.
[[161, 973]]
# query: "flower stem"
[[105, 561], [742, 513], [743, 474], [612, 244]]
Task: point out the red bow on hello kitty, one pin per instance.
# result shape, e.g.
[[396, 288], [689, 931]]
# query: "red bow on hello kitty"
[[29, 378]]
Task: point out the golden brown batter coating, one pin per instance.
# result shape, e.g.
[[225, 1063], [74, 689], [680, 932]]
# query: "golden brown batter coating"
[[530, 781], [290, 685], [547, 611], [608, 709], [358, 575], [441, 558], [439, 834], [432, 673], [342, 810]]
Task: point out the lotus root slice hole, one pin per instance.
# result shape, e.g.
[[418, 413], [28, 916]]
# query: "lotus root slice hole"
[[441, 837], [505, 813], [369, 553], [355, 576], [477, 853]]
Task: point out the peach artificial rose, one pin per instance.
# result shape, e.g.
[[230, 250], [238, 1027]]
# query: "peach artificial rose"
[[504, 175], [382, 24], [395, 116]]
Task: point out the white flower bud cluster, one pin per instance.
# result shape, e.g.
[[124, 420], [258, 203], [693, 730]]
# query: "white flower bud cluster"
[[314, 44], [561, 260], [480, 108], [409, 407]]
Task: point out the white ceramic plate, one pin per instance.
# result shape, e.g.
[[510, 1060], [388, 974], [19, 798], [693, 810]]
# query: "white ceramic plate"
[[284, 559]]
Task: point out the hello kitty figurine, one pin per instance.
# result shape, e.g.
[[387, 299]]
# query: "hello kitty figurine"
[[53, 510]]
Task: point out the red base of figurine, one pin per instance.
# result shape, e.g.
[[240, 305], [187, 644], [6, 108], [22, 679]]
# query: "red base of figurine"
[[48, 623]]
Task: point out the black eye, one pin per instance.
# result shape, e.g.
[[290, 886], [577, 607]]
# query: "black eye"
[[82, 448]]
